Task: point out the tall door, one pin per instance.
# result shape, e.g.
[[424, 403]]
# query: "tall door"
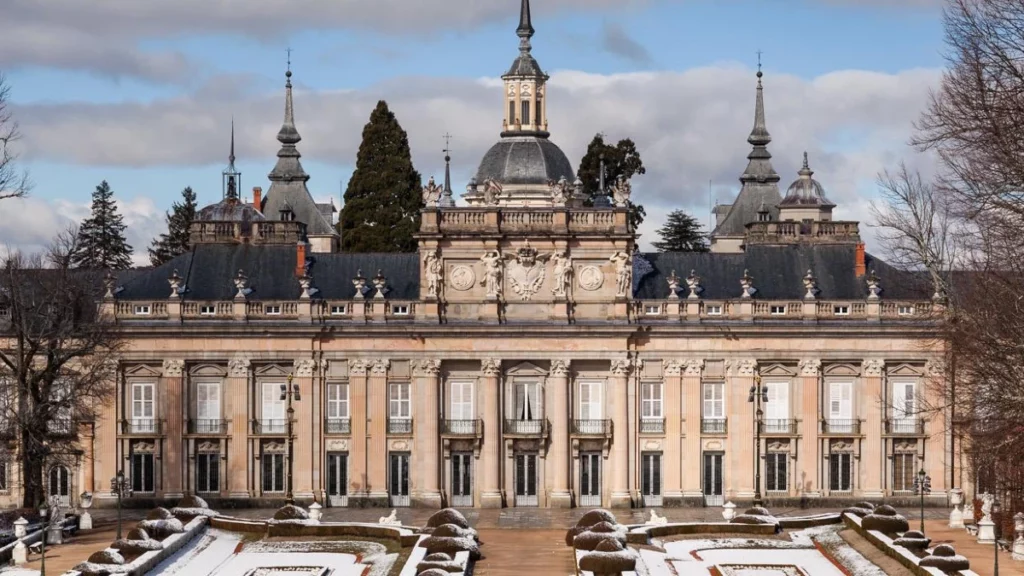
[[713, 479], [526, 479], [462, 479], [398, 479], [337, 479], [590, 479], [650, 479], [60, 485]]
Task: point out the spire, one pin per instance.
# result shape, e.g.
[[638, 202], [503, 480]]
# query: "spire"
[[525, 30], [759, 136], [231, 155], [232, 178], [288, 166], [446, 194], [806, 170], [759, 169]]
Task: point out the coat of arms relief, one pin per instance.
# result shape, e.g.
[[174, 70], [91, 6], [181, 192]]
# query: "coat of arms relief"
[[526, 271]]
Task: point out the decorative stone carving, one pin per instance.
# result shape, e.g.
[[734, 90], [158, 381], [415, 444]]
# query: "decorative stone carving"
[[526, 272], [623, 274], [745, 367], [173, 368], [811, 286], [778, 446], [238, 367], [380, 367], [935, 368], [810, 367], [208, 447], [462, 278], [429, 367], [693, 367], [841, 446], [360, 283], [693, 283], [905, 447], [304, 367], [431, 193], [747, 282], [562, 269], [380, 282], [621, 367], [144, 447], [591, 278], [561, 191], [874, 286], [433, 269], [493, 267], [109, 284], [241, 285], [872, 367], [490, 366], [306, 283], [337, 445], [673, 368], [275, 447], [986, 506], [175, 281], [559, 367], [621, 191], [358, 367], [673, 286], [492, 192]]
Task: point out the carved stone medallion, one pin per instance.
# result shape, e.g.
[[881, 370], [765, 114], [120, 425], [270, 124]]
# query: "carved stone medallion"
[[591, 278], [462, 278]]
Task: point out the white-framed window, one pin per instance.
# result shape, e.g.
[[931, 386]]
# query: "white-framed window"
[[527, 401], [840, 401], [652, 309], [841, 310], [904, 310], [5, 466], [207, 472], [339, 310], [337, 401], [400, 310], [143, 406], [208, 414], [778, 310], [273, 471], [651, 400], [461, 404], [142, 310], [590, 400], [273, 409], [207, 310], [840, 468], [272, 310], [713, 309], [776, 410], [776, 471], [714, 401], [61, 395], [142, 470], [399, 402], [904, 406], [903, 472]]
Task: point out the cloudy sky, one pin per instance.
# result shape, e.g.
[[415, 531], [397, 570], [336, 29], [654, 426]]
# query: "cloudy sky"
[[141, 94]]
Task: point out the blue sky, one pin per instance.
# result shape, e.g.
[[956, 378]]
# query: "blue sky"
[[147, 106]]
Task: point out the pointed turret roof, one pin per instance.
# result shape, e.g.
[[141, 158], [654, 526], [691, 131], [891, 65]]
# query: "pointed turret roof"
[[525, 64]]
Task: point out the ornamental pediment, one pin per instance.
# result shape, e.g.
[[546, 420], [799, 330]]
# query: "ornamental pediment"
[[274, 370], [527, 369], [841, 370], [142, 371], [779, 371], [209, 370], [906, 369]]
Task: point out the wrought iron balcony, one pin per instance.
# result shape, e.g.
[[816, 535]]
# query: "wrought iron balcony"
[[525, 427], [714, 426], [592, 427], [844, 426], [462, 427], [338, 426], [778, 426], [61, 427], [207, 426], [400, 426], [270, 427], [904, 426], [652, 425], [142, 427]]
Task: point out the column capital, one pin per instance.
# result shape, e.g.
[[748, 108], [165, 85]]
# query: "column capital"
[[380, 367], [427, 367], [872, 367], [238, 367], [810, 367], [173, 368], [560, 367], [673, 367], [623, 366], [693, 367], [935, 367], [358, 367], [304, 367], [742, 367], [490, 366]]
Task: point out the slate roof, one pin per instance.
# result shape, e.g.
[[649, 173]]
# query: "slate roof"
[[525, 160]]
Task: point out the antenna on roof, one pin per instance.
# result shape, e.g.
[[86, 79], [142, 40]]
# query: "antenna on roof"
[[713, 204]]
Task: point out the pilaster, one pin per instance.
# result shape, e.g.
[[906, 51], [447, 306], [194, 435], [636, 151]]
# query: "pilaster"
[[238, 406], [358, 476], [490, 461], [873, 460], [620, 370], [806, 476], [739, 473], [426, 457], [693, 411], [306, 465], [377, 443], [558, 454], [936, 451], [672, 410], [174, 414]]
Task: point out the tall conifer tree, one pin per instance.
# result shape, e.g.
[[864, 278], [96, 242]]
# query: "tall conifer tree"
[[101, 241], [681, 233], [384, 196], [621, 159], [176, 240]]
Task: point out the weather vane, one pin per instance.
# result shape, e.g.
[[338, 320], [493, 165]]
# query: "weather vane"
[[759, 52], [447, 144], [289, 51]]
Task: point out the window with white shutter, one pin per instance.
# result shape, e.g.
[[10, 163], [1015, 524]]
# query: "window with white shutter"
[[714, 401], [840, 407], [776, 410], [400, 407], [337, 401], [461, 401], [651, 400], [590, 401], [904, 407], [143, 407], [527, 402], [273, 411], [208, 415]]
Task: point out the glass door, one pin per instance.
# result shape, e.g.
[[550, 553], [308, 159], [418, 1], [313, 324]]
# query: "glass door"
[[398, 480], [462, 479], [526, 479], [713, 479], [337, 479], [650, 479], [590, 479]]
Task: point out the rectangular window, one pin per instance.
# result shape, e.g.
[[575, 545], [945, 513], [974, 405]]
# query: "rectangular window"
[[142, 310], [590, 401], [775, 468], [399, 401], [527, 401], [273, 472], [776, 410], [337, 401], [142, 472], [903, 472], [461, 401], [4, 467], [273, 409], [652, 310], [714, 401], [840, 407], [904, 400], [207, 310], [650, 477], [400, 310], [650, 400], [511, 112], [841, 310], [208, 408], [840, 475], [61, 396], [778, 310], [526, 111], [904, 310], [143, 407], [338, 310], [207, 472], [713, 309], [270, 310]]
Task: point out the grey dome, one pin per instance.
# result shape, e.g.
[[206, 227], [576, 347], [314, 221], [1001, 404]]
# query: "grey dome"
[[230, 210], [525, 160], [805, 190]]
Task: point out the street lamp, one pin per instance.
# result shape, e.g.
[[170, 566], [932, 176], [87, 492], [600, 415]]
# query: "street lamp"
[[996, 509], [922, 486], [119, 487], [758, 396], [43, 512], [290, 392]]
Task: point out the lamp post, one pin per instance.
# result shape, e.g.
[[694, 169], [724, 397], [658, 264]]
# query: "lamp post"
[[758, 396], [996, 509], [922, 486], [43, 513], [290, 392], [119, 487]]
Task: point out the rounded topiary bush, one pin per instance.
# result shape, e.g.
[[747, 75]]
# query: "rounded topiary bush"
[[136, 547], [192, 501], [159, 514], [106, 557], [439, 561], [291, 512], [161, 529], [913, 540], [945, 558], [434, 572], [857, 511], [454, 531], [447, 516], [865, 505], [451, 546], [758, 511], [590, 539], [885, 520], [589, 519], [610, 557], [137, 534]]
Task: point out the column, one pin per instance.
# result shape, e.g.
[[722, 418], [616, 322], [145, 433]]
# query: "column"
[[425, 418], [693, 409], [377, 443], [304, 428], [558, 454], [806, 473], [237, 408], [620, 427], [490, 461], [173, 414], [672, 453], [873, 461], [936, 449], [739, 475], [358, 480]]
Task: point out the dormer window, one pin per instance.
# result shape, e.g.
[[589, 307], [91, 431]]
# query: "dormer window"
[[763, 217], [272, 310], [207, 311], [778, 310], [714, 310], [652, 310], [400, 310], [142, 310], [841, 310], [902, 310], [338, 310]]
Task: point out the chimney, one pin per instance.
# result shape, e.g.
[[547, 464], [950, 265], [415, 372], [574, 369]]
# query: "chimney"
[[861, 266], [257, 197], [300, 260]]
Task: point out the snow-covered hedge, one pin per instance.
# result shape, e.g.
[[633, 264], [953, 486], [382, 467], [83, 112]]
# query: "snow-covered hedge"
[[883, 542], [148, 560]]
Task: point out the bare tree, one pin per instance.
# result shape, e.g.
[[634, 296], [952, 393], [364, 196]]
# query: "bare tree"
[[14, 183], [58, 360]]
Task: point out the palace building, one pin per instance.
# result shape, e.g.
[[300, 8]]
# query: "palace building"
[[529, 355]]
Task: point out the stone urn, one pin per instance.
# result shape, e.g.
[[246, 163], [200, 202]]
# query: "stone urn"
[[956, 516], [315, 512], [1018, 542], [728, 511], [20, 527], [85, 520]]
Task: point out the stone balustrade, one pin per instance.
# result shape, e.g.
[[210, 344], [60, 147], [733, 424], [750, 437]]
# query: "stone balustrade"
[[821, 232], [766, 310], [519, 221], [269, 232]]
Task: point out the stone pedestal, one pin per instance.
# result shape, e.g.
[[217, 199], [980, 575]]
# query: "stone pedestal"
[[85, 521], [956, 518], [986, 531], [20, 554], [1018, 548]]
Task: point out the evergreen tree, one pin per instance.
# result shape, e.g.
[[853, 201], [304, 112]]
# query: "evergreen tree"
[[621, 159], [681, 233], [176, 240], [384, 195], [101, 241]]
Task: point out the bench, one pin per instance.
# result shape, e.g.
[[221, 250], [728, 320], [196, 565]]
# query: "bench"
[[36, 548]]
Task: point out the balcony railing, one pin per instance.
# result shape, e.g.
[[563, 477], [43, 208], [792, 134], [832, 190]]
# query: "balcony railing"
[[592, 427], [844, 426], [714, 426], [207, 426], [142, 426], [338, 426], [60, 427], [778, 426], [270, 427], [652, 425], [525, 427], [910, 426], [461, 427], [400, 426]]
